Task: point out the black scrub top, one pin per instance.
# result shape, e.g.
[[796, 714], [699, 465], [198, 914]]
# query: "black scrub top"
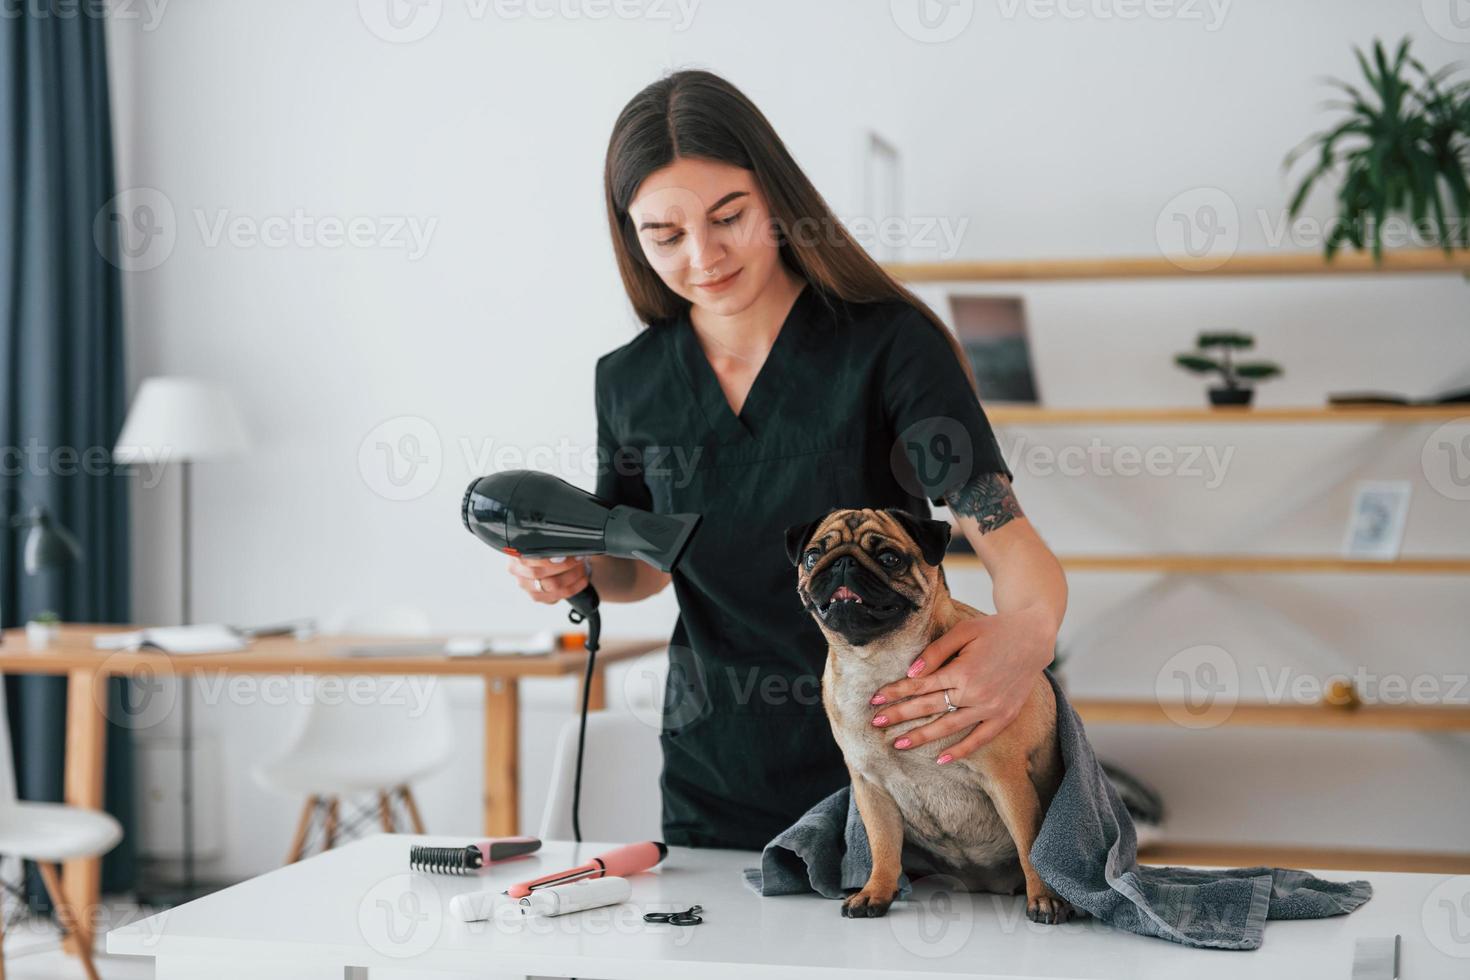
[[747, 747]]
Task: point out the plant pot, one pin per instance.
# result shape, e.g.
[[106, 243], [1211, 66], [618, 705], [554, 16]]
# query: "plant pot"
[[1231, 396], [40, 636]]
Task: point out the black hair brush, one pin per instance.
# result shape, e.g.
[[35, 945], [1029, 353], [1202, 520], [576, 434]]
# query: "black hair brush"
[[471, 858]]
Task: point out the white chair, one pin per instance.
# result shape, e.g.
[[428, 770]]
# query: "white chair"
[[620, 769], [48, 834], [364, 746]]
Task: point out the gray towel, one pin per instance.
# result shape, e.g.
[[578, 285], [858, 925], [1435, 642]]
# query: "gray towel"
[[1087, 852]]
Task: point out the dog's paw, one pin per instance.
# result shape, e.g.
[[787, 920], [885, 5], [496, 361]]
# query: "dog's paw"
[[1048, 908], [867, 905]]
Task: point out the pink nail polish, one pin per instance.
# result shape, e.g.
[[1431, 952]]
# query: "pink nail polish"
[[917, 668], [903, 743], [881, 720], [878, 699], [944, 758]]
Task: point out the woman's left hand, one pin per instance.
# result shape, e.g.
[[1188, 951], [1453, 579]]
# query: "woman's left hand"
[[999, 658]]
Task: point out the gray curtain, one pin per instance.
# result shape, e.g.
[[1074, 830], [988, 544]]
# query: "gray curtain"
[[62, 396]]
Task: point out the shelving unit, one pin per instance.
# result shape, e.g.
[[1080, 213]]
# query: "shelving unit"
[[1231, 415], [1192, 854], [1366, 717], [1183, 564], [1405, 262], [1428, 719]]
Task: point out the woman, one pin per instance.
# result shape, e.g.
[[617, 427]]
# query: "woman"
[[782, 374]]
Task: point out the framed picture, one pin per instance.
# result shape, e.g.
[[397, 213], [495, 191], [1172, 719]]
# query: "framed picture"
[[1376, 525], [992, 330], [882, 192]]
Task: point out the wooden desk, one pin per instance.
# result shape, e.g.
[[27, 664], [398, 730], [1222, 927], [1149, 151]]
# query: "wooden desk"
[[87, 670]]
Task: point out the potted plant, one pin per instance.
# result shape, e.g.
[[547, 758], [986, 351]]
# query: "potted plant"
[[43, 630], [1233, 393], [1403, 149]]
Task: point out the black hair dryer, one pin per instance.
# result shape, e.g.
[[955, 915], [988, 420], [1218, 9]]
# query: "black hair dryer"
[[536, 515]]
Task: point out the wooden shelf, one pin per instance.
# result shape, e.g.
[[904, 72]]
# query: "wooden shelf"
[[1231, 415], [1241, 564], [1293, 856], [1373, 717], [1366, 717], [1405, 262]]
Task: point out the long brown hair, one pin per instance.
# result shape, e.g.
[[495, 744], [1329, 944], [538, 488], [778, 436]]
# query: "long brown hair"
[[699, 114]]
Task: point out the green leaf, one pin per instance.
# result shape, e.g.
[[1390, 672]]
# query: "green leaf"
[[1363, 64], [1238, 341], [1197, 364], [1258, 370], [1422, 186], [1300, 197]]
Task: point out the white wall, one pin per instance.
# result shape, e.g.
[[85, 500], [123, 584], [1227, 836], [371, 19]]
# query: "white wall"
[[1047, 135]]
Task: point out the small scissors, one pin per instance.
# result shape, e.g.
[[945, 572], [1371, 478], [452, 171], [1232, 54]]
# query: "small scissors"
[[687, 918]]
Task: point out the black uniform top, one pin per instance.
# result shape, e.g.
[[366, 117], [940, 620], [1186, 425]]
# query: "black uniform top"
[[746, 743]]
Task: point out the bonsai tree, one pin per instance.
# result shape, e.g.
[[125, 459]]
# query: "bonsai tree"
[[1403, 148], [46, 618], [1231, 372]]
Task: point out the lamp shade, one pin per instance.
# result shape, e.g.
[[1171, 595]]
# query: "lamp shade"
[[177, 419], [48, 544]]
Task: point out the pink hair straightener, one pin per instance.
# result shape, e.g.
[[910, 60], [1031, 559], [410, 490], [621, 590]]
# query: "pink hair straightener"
[[468, 860], [617, 863]]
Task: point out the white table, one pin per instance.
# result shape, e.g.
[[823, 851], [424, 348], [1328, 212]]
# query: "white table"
[[357, 911]]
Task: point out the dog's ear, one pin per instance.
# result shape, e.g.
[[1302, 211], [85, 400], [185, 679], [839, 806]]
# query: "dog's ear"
[[930, 535], [798, 535]]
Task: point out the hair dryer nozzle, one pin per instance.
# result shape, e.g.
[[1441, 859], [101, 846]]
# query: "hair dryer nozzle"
[[659, 539]]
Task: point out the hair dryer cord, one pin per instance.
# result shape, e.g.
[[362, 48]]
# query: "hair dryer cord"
[[594, 626]]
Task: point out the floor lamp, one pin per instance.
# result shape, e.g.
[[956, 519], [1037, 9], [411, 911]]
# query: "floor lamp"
[[182, 420]]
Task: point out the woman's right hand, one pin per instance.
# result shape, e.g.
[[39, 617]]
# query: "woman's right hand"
[[549, 580]]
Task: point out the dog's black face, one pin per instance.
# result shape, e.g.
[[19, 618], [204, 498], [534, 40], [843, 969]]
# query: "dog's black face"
[[862, 573]]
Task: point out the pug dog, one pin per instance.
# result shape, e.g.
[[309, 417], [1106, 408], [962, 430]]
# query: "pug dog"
[[873, 582]]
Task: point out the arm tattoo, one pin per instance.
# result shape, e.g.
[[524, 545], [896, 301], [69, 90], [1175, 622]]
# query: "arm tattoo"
[[988, 498]]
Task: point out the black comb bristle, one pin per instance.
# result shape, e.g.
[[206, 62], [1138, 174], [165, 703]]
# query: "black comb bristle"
[[445, 860]]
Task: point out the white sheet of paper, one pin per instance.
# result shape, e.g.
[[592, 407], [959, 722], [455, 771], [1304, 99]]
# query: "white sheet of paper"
[[205, 638]]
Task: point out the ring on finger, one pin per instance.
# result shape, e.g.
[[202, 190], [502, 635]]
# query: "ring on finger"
[[540, 586], [948, 704]]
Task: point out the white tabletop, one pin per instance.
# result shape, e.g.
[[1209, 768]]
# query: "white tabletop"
[[360, 906]]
